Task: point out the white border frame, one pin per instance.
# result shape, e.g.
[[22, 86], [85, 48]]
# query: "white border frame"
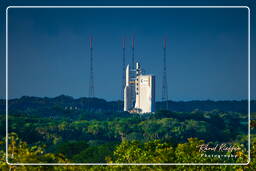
[[40, 164]]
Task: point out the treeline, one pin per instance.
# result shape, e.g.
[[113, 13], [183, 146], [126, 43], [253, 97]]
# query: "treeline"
[[78, 136], [63, 104], [117, 137]]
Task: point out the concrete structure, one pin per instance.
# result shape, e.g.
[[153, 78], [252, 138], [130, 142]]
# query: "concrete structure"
[[143, 86]]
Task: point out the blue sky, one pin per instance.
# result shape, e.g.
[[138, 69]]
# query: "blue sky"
[[206, 51]]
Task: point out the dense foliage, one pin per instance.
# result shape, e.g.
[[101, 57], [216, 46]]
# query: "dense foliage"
[[72, 135], [127, 151], [168, 126]]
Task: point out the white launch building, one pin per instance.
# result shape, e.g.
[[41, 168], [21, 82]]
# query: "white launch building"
[[139, 91]]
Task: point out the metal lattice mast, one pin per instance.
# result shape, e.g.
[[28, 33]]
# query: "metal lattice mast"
[[133, 64], [133, 69], [123, 71], [164, 84], [91, 81]]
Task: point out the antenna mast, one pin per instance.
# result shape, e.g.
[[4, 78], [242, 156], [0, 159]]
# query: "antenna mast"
[[91, 81], [164, 85], [123, 71], [133, 63]]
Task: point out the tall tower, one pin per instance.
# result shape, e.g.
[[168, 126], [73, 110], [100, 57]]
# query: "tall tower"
[[123, 71], [133, 44], [164, 84], [91, 80], [133, 72]]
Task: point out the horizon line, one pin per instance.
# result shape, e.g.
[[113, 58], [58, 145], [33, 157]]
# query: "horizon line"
[[101, 98]]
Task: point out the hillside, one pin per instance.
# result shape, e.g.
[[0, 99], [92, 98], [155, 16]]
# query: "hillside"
[[60, 104]]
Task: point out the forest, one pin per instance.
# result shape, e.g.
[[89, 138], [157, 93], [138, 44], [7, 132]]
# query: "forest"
[[66, 132]]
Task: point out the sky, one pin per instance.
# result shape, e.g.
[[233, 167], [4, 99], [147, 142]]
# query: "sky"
[[207, 51]]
